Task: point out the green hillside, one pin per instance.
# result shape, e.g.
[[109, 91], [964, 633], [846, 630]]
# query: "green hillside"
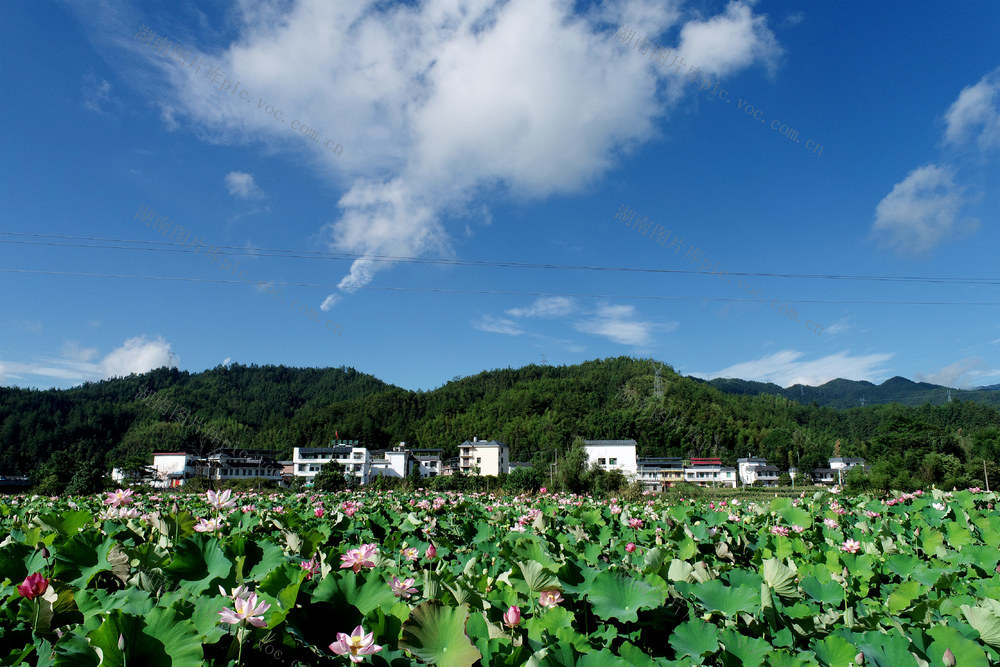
[[535, 409]]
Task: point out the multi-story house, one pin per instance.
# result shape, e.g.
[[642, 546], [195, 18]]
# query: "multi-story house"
[[613, 455], [355, 460], [484, 458], [837, 471], [171, 469], [755, 470], [400, 460], [710, 472], [661, 473]]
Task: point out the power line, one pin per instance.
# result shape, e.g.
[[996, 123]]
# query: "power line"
[[442, 290], [311, 254]]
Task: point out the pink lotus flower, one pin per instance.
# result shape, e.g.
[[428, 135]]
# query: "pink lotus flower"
[[797, 528], [410, 553], [615, 509], [630, 547], [319, 511], [358, 558], [357, 645], [542, 491], [550, 597], [311, 566], [33, 586], [208, 525], [119, 498], [246, 610], [830, 523], [240, 591], [431, 553], [850, 546], [350, 507], [512, 617], [779, 530], [635, 523], [401, 589], [220, 501]]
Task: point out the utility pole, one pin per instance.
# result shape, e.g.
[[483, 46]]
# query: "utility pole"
[[986, 476]]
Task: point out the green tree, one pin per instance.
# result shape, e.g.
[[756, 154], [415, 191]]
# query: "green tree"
[[571, 470], [330, 478]]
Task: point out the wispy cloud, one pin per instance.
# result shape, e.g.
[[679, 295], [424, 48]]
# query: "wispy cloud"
[[546, 306], [922, 211], [72, 350], [620, 325], [785, 368], [492, 324], [966, 373], [242, 185], [135, 355], [96, 93]]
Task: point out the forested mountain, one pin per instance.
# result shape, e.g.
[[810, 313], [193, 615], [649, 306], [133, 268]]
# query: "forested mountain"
[[535, 409], [850, 393]]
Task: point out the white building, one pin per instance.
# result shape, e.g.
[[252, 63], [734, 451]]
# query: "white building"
[[613, 455], [354, 460], [710, 472], [173, 468], [837, 472], [400, 460], [488, 458], [755, 470]]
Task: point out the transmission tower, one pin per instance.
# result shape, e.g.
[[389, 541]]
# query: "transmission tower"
[[658, 383]]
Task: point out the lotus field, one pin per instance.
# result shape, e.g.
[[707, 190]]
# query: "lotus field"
[[463, 579]]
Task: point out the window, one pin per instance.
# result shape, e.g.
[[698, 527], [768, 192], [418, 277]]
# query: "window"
[[613, 462], [601, 461], [478, 460]]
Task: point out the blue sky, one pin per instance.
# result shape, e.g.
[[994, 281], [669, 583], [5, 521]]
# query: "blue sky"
[[494, 145]]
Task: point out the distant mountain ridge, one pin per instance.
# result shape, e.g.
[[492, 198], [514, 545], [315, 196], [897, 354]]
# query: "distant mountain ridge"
[[842, 394]]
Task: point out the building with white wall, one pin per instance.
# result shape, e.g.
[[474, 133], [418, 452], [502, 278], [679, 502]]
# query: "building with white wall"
[[710, 472], [484, 458], [755, 470], [172, 469], [352, 459], [613, 455]]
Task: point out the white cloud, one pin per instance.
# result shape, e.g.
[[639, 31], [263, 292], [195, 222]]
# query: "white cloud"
[[975, 115], [966, 373], [618, 324], [438, 101], [96, 93], [137, 355], [242, 185], [329, 302], [785, 368], [546, 306], [838, 327], [225, 362], [922, 211], [729, 41], [71, 350], [498, 325]]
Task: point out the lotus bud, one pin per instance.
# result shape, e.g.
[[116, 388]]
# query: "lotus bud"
[[948, 658], [432, 552], [174, 509], [512, 617], [859, 659], [45, 552], [121, 643]]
